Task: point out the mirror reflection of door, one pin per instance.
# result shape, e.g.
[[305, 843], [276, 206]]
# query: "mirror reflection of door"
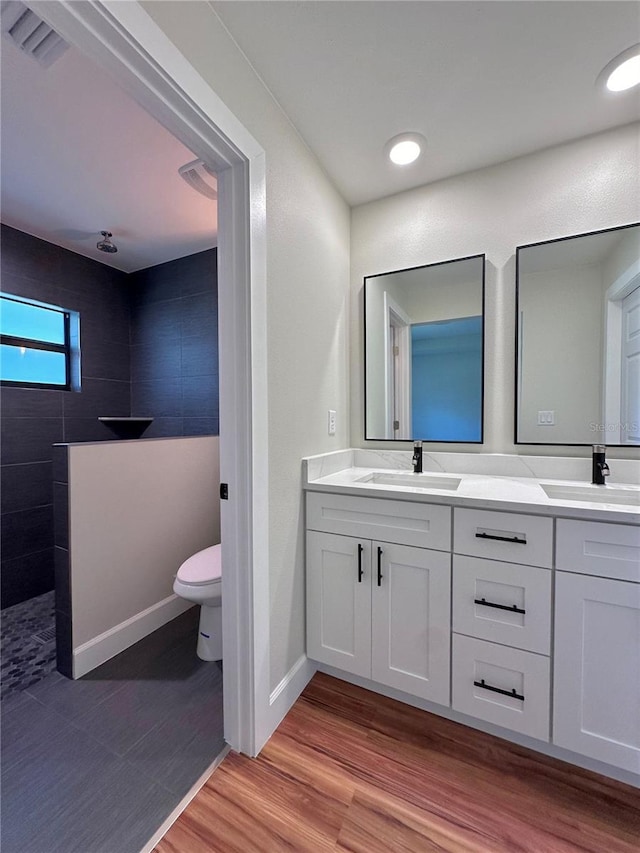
[[446, 374], [622, 358], [398, 366], [630, 409]]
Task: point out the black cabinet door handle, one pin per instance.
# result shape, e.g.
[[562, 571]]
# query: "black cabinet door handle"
[[360, 571], [501, 538], [513, 608], [511, 693], [379, 566]]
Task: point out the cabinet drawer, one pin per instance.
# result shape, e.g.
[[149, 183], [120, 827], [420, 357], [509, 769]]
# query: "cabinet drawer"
[[504, 536], [484, 593], [423, 525], [503, 669], [597, 548]]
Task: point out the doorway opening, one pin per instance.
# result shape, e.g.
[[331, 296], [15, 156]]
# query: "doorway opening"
[[124, 41]]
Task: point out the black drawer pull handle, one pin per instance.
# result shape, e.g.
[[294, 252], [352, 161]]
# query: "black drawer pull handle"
[[511, 693], [379, 566], [511, 608], [360, 571], [501, 538]]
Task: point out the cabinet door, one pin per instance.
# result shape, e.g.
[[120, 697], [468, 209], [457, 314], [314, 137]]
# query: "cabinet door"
[[410, 620], [597, 669], [339, 601]]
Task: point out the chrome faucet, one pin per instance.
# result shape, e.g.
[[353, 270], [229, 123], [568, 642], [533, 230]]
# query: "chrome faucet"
[[599, 467], [417, 457]]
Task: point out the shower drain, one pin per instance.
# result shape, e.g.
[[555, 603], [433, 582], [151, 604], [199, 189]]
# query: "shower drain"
[[46, 636]]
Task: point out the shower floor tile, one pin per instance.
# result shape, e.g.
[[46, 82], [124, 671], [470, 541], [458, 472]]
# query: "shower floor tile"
[[23, 659]]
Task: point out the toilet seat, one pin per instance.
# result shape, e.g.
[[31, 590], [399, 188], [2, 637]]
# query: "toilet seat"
[[205, 567], [199, 580]]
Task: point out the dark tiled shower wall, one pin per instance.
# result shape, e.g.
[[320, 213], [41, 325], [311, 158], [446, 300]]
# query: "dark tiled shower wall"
[[34, 419], [174, 346]]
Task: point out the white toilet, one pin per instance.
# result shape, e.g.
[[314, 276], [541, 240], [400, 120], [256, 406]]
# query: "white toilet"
[[199, 579]]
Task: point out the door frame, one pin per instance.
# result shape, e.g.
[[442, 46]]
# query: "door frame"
[[397, 380], [628, 436], [612, 361], [127, 44]]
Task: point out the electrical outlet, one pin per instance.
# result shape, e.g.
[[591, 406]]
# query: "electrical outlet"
[[332, 422], [546, 418]]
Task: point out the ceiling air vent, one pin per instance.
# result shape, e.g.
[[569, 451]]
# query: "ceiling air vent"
[[199, 176], [30, 33]]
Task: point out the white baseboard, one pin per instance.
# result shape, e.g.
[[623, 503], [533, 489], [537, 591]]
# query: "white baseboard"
[[282, 698], [105, 646]]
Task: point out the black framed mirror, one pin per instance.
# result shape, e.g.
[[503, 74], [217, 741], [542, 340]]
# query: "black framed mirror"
[[424, 353], [578, 339]]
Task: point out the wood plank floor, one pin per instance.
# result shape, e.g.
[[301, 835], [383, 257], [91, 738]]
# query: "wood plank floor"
[[348, 770]]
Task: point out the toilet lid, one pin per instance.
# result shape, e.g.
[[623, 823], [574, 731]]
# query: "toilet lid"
[[203, 567]]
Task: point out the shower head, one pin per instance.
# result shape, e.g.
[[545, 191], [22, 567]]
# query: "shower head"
[[106, 245]]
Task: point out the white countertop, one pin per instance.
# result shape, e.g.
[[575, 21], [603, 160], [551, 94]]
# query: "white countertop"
[[480, 491]]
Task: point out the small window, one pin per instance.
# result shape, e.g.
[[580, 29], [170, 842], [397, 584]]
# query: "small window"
[[35, 344]]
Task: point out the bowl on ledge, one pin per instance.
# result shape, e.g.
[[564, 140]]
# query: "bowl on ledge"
[[127, 427]]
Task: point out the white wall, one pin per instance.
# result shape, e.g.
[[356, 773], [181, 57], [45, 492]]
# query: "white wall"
[[583, 186], [561, 342], [137, 511], [308, 303], [443, 292], [621, 275], [624, 260]]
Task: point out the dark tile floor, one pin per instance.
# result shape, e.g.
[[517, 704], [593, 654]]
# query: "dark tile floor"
[[25, 659], [96, 765]]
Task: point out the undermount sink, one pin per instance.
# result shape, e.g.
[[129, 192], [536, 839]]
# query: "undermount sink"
[[593, 494], [413, 481]]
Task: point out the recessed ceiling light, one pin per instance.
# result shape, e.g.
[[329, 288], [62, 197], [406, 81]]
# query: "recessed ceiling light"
[[623, 72], [405, 148], [625, 76]]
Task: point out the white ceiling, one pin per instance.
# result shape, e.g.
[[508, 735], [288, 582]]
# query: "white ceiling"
[[484, 82], [80, 156]]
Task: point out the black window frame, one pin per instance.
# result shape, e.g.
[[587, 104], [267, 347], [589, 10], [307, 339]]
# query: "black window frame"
[[31, 343]]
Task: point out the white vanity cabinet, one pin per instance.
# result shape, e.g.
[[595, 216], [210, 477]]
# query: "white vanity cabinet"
[[597, 642], [502, 619], [520, 620], [377, 608]]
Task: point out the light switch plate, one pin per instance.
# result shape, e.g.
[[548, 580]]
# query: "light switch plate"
[[546, 418], [332, 422]]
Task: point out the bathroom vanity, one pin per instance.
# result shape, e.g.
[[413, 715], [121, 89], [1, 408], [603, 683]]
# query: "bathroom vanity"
[[510, 603]]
